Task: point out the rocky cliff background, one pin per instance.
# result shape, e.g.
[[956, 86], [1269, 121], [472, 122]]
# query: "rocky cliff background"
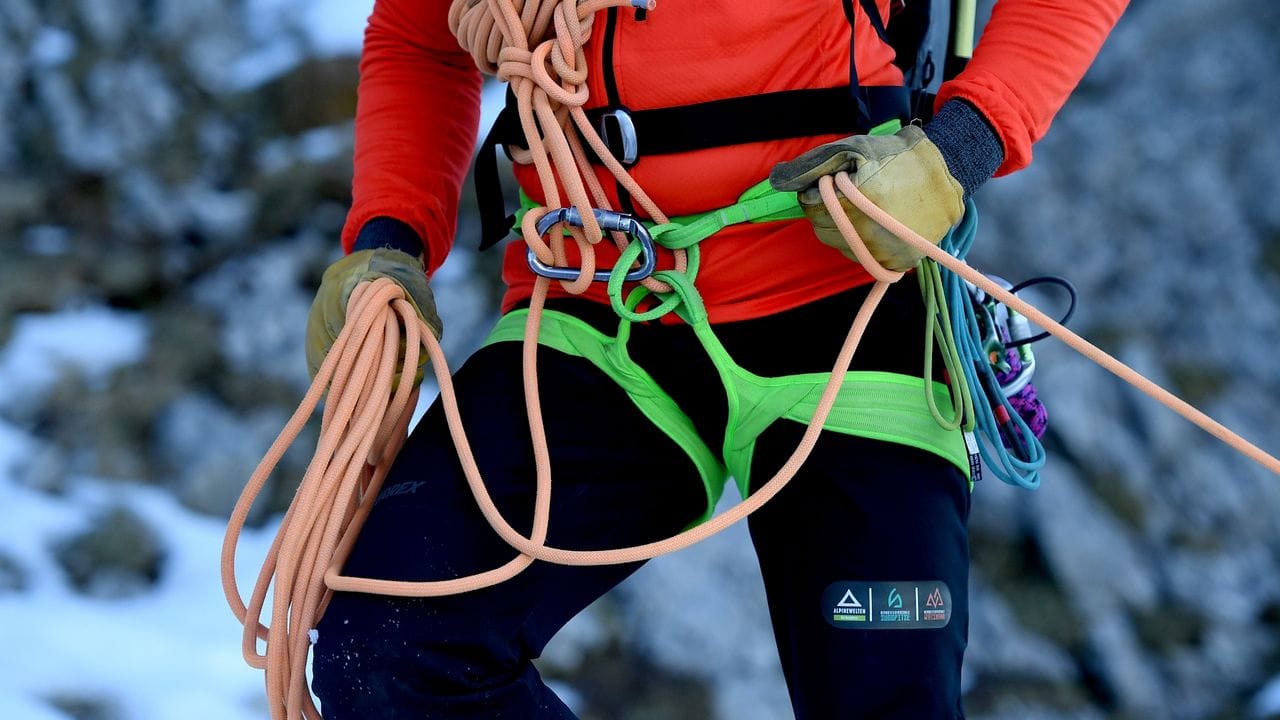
[[173, 176]]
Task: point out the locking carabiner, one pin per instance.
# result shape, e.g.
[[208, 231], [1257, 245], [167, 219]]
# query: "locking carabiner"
[[608, 220]]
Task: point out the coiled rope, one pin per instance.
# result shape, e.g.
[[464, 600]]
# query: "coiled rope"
[[550, 87], [364, 421], [1019, 467]]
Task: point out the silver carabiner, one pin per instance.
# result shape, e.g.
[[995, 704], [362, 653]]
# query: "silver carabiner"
[[609, 221]]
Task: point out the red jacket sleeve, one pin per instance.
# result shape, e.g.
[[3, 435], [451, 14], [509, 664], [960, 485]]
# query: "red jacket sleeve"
[[1030, 57], [416, 121]]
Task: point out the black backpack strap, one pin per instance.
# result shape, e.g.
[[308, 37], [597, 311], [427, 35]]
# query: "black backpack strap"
[[495, 222], [875, 104], [632, 134], [873, 14], [733, 121]]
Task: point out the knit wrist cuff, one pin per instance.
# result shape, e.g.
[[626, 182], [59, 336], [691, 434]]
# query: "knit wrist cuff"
[[385, 232], [971, 149]]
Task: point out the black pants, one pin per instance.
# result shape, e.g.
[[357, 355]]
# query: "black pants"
[[860, 510]]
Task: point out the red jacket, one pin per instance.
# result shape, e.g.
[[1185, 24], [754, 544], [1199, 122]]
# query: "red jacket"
[[418, 112]]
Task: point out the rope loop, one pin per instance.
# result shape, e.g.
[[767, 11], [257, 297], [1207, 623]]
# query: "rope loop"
[[550, 85], [827, 187]]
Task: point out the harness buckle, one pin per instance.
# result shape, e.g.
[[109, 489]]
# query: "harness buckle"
[[609, 220], [618, 131]]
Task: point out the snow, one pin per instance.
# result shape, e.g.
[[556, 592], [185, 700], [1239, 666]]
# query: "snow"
[[1267, 702], [332, 27], [329, 28], [93, 340], [52, 47], [46, 240], [264, 64], [336, 27], [171, 653], [289, 31]]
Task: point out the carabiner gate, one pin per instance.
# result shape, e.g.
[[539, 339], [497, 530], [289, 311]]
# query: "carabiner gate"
[[608, 220]]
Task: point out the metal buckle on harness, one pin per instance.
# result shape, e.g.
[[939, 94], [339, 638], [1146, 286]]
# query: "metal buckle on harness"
[[609, 221], [623, 143]]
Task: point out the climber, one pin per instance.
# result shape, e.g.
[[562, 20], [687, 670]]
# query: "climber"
[[785, 91]]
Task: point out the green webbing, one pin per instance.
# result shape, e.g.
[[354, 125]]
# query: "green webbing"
[[759, 204], [876, 405], [574, 337], [888, 127]]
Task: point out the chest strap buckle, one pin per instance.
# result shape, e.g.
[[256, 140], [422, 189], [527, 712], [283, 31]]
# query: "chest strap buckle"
[[618, 130]]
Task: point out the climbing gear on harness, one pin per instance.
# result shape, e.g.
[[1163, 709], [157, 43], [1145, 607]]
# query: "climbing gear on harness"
[[903, 173], [364, 420], [993, 342], [1006, 336], [1012, 367], [328, 312], [1014, 419], [608, 220], [1034, 315], [757, 204]]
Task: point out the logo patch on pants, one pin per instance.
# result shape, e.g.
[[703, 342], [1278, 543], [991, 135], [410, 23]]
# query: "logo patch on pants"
[[855, 605]]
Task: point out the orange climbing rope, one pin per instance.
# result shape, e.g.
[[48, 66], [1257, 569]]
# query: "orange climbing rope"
[[499, 35], [364, 426], [366, 414]]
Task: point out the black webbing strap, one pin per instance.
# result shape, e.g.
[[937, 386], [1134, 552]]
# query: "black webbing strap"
[[685, 128], [877, 22], [741, 120], [495, 221], [870, 113], [730, 121]]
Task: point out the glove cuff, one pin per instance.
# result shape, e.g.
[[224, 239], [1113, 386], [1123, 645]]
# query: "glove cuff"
[[969, 146], [385, 232]]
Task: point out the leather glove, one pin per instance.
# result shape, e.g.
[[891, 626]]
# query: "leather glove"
[[329, 310], [903, 173]]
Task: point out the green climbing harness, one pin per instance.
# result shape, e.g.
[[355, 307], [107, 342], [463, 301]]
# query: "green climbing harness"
[[879, 405]]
